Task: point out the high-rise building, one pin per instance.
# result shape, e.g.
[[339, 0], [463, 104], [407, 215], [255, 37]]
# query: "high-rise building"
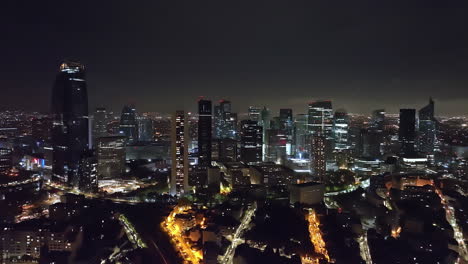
[[321, 118], [407, 131], [320, 122], [255, 113], [204, 133], [88, 173], [6, 160], [70, 135], [378, 119], [300, 135], [427, 128], [286, 125], [251, 142], [111, 157], [41, 129], [129, 124], [227, 150], [180, 165], [265, 123], [145, 128], [318, 163], [99, 124], [341, 129], [225, 121]]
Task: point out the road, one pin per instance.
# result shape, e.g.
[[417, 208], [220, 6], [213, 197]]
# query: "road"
[[228, 256], [364, 248], [457, 231]]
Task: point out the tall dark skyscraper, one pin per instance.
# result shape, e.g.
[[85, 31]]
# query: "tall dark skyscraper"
[[407, 131], [204, 133], [378, 119], [251, 142], [70, 135], [427, 128], [129, 123]]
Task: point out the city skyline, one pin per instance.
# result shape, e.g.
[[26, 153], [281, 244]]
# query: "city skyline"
[[394, 55]]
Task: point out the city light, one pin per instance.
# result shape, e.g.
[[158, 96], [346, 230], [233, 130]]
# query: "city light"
[[176, 232], [316, 238]]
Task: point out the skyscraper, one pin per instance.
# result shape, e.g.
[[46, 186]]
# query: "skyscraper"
[[128, 123], [251, 142], [265, 124], [225, 121], [320, 123], [407, 131], [88, 173], [320, 116], [180, 165], [145, 128], [70, 139], [99, 124], [378, 119], [300, 134], [427, 128], [204, 133], [254, 113], [6, 160], [341, 129], [318, 163], [111, 157]]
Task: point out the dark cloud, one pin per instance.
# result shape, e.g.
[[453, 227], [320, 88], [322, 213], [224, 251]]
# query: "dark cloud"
[[164, 54]]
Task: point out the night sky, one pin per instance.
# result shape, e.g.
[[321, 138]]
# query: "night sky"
[[162, 55]]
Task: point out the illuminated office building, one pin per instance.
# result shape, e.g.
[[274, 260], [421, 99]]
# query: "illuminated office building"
[[318, 162], [180, 165], [70, 135], [129, 124], [378, 119], [225, 121], [204, 133], [300, 135], [6, 160], [88, 173], [111, 157], [255, 113], [320, 118], [99, 124], [340, 130], [145, 128], [251, 142]]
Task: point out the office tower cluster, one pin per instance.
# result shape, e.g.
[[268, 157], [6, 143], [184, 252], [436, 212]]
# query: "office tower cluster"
[[89, 149]]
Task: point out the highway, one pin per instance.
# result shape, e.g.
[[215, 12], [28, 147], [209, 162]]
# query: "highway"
[[228, 256]]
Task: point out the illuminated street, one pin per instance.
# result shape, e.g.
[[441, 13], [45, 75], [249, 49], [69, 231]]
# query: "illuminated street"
[[364, 248], [228, 256], [132, 234], [316, 238], [457, 231], [176, 232]]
